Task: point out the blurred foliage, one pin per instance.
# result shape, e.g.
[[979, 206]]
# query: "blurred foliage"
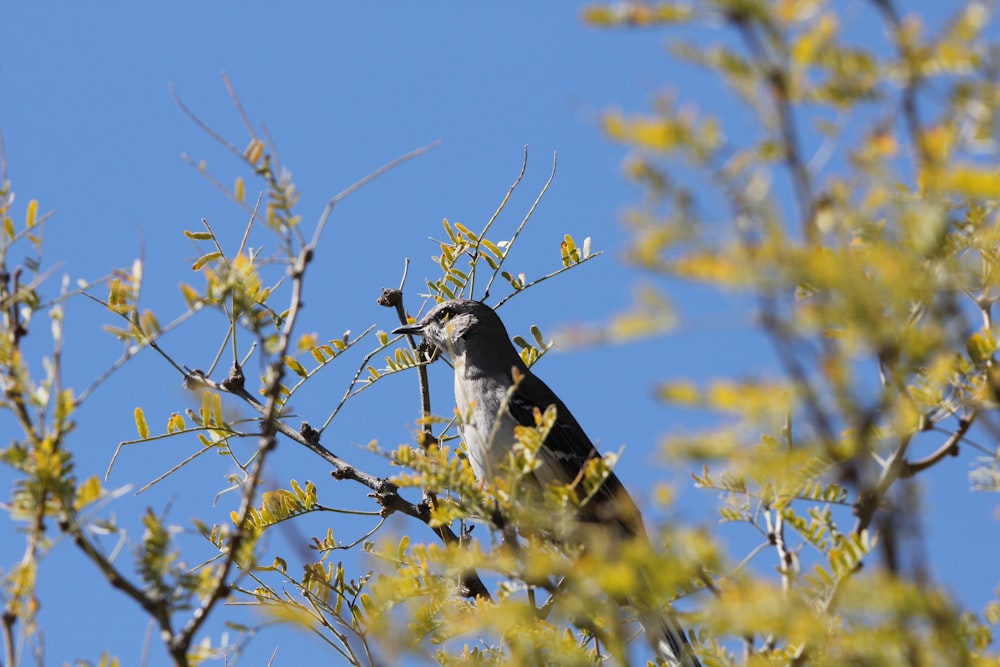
[[857, 219]]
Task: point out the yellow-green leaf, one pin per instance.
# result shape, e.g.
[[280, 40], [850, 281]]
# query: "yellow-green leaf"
[[175, 423], [206, 409], [254, 151], [191, 295], [974, 181], [118, 297], [449, 231], [65, 403], [980, 347], [680, 392], [296, 367], [140, 424], [205, 259], [87, 492], [32, 214], [217, 409]]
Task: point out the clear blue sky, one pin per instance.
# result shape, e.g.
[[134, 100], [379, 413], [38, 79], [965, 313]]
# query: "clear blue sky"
[[91, 132]]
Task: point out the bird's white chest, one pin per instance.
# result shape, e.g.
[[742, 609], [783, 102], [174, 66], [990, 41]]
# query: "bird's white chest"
[[486, 427]]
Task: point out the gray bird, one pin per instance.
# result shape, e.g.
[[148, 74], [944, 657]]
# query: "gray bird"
[[491, 402]]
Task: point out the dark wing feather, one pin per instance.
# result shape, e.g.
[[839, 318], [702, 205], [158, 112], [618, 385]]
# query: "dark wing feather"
[[567, 448]]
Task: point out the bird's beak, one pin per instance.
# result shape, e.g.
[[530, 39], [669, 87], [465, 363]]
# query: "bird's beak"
[[415, 328]]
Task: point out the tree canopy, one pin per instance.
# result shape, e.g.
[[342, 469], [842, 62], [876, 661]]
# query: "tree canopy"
[[851, 216]]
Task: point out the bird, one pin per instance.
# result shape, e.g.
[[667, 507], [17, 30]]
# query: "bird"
[[495, 392]]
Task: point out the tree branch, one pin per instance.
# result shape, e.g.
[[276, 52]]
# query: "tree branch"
[[383, 491], [948, 448], [910, 87], [471, 583], [180, 643], [779, 81]]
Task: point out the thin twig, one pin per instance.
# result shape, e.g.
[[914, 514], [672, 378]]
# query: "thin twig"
[[309, 374], [246, 232], [394, 299], [349, 392], [948, 448], [202, 125], [3, 173], [9, 621], [389, 166], [779, 79], [131, 351], [238, 104], [870, 499], [520, 227], [911, 86], [216, 183], [493, 218], [547, 276], [783, 341], [157, 609]]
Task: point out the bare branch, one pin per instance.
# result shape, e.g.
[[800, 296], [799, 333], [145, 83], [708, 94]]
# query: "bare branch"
[[202, 125], [524, 221], [911, 86], [948, 448], [778, 79], [493, 218], [389, 166], [238, 104]]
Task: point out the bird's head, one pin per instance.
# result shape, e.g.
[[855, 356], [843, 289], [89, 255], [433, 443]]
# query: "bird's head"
[[459, 325]]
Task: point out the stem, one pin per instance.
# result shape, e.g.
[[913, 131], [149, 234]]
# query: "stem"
[[778, 78]]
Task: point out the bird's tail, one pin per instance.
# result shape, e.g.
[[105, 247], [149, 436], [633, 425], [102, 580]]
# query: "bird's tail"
[[667, 638]]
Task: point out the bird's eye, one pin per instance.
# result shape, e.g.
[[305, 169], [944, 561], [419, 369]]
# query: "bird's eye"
[[443, 315]]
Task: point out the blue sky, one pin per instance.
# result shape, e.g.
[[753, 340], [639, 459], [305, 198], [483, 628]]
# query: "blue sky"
[[91, 132]]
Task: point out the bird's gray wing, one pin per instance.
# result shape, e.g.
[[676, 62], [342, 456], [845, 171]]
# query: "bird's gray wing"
[[566, 450]]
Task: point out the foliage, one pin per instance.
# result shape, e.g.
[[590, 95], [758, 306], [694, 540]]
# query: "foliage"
[[243, 284], [875, 286], [869, 258]]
